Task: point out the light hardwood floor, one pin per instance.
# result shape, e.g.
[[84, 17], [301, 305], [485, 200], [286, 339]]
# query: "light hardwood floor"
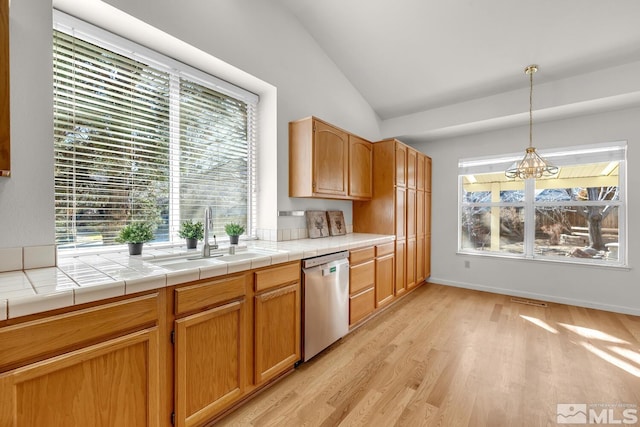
[[454, 357]]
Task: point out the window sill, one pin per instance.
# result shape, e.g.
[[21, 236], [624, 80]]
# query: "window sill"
[[571, 261]]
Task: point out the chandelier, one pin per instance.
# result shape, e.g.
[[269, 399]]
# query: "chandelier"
[[531, 165]]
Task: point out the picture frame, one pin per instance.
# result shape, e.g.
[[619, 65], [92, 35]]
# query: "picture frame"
[[317, 225], [337, 227]]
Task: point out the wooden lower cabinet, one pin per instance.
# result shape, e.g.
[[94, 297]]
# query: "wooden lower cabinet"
[[209, 362], [385, 269], [401, 267], [277, 331], [361, 305], [276, 323], [111, 377], [362, 279], [112, 363], [411, 263], [115, 383], [420, 258]]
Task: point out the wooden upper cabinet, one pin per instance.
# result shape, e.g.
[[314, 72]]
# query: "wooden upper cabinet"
[[330, 160], [320, 164], [420, 172], [5, 143], [427, 173], [412, 167], [360, 168], [401, 164]]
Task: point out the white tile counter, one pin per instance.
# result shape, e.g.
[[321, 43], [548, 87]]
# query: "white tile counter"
[[84, 278]]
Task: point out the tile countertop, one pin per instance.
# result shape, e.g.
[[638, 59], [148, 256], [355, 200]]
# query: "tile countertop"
[[80, 279]]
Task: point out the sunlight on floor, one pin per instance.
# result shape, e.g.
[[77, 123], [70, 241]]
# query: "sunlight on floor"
[[612, 359], [592, 333], [632, 356], [544, 325], [625, 352]]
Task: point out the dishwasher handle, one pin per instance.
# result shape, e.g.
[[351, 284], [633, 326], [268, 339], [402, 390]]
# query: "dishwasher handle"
[[324, 259]]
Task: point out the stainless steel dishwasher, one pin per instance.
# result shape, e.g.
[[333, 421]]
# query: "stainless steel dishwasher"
[[326, 301]]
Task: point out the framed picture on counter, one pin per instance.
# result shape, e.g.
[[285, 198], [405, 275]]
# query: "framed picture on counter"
[[336, 223], [317, 225]]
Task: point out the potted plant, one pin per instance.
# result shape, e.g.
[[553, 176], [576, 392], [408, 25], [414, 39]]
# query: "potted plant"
[[192, 232], [135, 234], [234, 231]]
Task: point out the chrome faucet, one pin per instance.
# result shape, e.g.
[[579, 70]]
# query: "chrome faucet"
[[206, 248]]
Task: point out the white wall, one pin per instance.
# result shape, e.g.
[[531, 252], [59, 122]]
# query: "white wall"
[[613, 289], [265, 40], [257, 37], [26, 199]]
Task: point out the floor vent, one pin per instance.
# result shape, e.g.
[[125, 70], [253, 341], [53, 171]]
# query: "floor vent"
[[529, 302]]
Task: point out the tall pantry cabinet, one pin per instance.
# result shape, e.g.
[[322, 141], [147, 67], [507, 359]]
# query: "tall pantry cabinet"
[[401, 205]]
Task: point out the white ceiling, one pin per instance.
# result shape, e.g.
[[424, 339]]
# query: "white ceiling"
[[408, 56]]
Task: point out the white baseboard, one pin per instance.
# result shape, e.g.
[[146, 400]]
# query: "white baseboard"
[[541, 297]]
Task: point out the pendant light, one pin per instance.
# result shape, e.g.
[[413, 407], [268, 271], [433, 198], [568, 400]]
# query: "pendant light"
[[531, 165]]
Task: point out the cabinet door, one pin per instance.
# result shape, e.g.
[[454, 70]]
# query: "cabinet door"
[[427, 212], [277, 331], [114, 383], [420, 172], [411, 263], [401, 267], [330, 160], [384, 279], [209, 362], [427, 173], [412, 167], [401, 164], [401, 213], [411, 213], [420, 258], [427, 256], [360, 168], [420, 216]]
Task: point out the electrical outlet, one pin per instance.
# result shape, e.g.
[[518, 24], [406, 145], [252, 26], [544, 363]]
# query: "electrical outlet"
[[467, 264]]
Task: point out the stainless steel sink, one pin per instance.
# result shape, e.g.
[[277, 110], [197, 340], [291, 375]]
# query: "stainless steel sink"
[[183, 262], [186, 263], [240, 256]]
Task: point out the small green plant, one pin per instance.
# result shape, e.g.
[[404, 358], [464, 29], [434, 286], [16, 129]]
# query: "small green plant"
[[137, 232], [191, 230], [233, 229]]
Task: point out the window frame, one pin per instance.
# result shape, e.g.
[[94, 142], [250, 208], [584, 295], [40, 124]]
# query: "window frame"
[[121, 46], [592, 153]]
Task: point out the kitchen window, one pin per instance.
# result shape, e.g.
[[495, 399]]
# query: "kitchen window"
[[577, 216], [141, 137]]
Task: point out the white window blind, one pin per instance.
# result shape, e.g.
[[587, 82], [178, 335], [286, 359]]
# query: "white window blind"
[[140, 137]]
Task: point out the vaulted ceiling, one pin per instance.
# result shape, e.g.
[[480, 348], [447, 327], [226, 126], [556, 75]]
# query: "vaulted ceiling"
[[410, 56]]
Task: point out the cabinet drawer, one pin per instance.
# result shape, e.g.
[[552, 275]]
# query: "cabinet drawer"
[[361, 305], [386, 249], [30, 340], [360, 255], [276, 276], [362, 276], [207, 294]]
